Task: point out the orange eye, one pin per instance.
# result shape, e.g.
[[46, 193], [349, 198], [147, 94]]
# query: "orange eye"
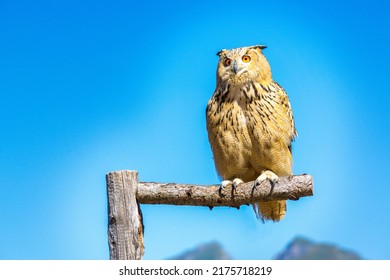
[[246, 58], [227, 62]]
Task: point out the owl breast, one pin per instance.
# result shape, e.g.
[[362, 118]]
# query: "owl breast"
[[248, 128], [227, 124]]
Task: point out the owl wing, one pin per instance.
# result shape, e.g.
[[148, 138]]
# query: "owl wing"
[[285, 115], [271, 128]]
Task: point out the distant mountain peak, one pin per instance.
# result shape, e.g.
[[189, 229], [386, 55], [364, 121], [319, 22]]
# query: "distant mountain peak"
[[301, 248], [207, 251]]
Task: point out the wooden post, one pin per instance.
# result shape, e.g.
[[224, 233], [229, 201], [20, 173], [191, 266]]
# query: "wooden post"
[[125, 228]]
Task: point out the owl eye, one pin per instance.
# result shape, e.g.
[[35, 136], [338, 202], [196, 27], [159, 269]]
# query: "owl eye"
[[246, 58], [227, 61]]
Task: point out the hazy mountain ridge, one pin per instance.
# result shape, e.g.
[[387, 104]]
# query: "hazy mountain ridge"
[[207, 251], [300, 248]]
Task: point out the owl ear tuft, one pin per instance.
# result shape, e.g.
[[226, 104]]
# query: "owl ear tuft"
[[261, 47], [221, 52]]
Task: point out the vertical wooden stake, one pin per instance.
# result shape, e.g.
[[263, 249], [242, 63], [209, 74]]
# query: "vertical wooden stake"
[[125, 228]]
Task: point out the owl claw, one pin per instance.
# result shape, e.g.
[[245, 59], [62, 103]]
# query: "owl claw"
[[224, 184], [266, 175], [236, 182]]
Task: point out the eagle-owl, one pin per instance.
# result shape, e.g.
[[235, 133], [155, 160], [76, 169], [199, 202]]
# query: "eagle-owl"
[[250, 124]]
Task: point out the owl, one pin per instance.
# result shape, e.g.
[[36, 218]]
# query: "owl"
[[250, 125]]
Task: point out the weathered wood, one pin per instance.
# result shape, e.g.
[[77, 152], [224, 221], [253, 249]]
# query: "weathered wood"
[[125, 228], [292, 187]]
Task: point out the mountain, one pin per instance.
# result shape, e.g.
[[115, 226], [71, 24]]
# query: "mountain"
[[303, 249], [299, 248], [208, 251]]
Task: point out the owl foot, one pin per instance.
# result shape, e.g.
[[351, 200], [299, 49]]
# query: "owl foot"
[[266, 175], [236, 182]]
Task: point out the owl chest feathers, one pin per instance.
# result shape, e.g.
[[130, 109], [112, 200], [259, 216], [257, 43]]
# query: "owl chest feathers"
[[243, 108], [246, 125]]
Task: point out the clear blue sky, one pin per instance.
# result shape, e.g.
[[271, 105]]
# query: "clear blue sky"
[[88, 87]]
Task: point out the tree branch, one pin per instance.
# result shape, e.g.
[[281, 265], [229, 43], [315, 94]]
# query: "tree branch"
[[292, 188]]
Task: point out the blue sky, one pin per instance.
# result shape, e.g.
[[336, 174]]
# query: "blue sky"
[[88, 87]]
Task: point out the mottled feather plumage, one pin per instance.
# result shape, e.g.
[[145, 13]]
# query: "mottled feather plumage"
[[250, 123]]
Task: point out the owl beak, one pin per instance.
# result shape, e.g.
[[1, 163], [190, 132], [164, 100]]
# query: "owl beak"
[[235, 68]]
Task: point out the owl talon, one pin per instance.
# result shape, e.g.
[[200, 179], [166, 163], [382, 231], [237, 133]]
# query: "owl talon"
[[266, 175], [224, 184], [236, 183]]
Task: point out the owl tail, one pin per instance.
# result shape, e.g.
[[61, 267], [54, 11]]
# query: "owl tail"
[[271, 210]]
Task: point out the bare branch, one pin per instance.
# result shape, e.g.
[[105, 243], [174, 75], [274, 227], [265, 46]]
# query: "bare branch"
[[292, 188]]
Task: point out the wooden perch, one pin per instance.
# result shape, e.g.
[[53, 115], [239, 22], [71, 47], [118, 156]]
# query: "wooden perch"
[[292, 188], [125, 193]]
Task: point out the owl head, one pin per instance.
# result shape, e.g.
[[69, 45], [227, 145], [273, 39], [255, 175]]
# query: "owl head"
[[240, 65]]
